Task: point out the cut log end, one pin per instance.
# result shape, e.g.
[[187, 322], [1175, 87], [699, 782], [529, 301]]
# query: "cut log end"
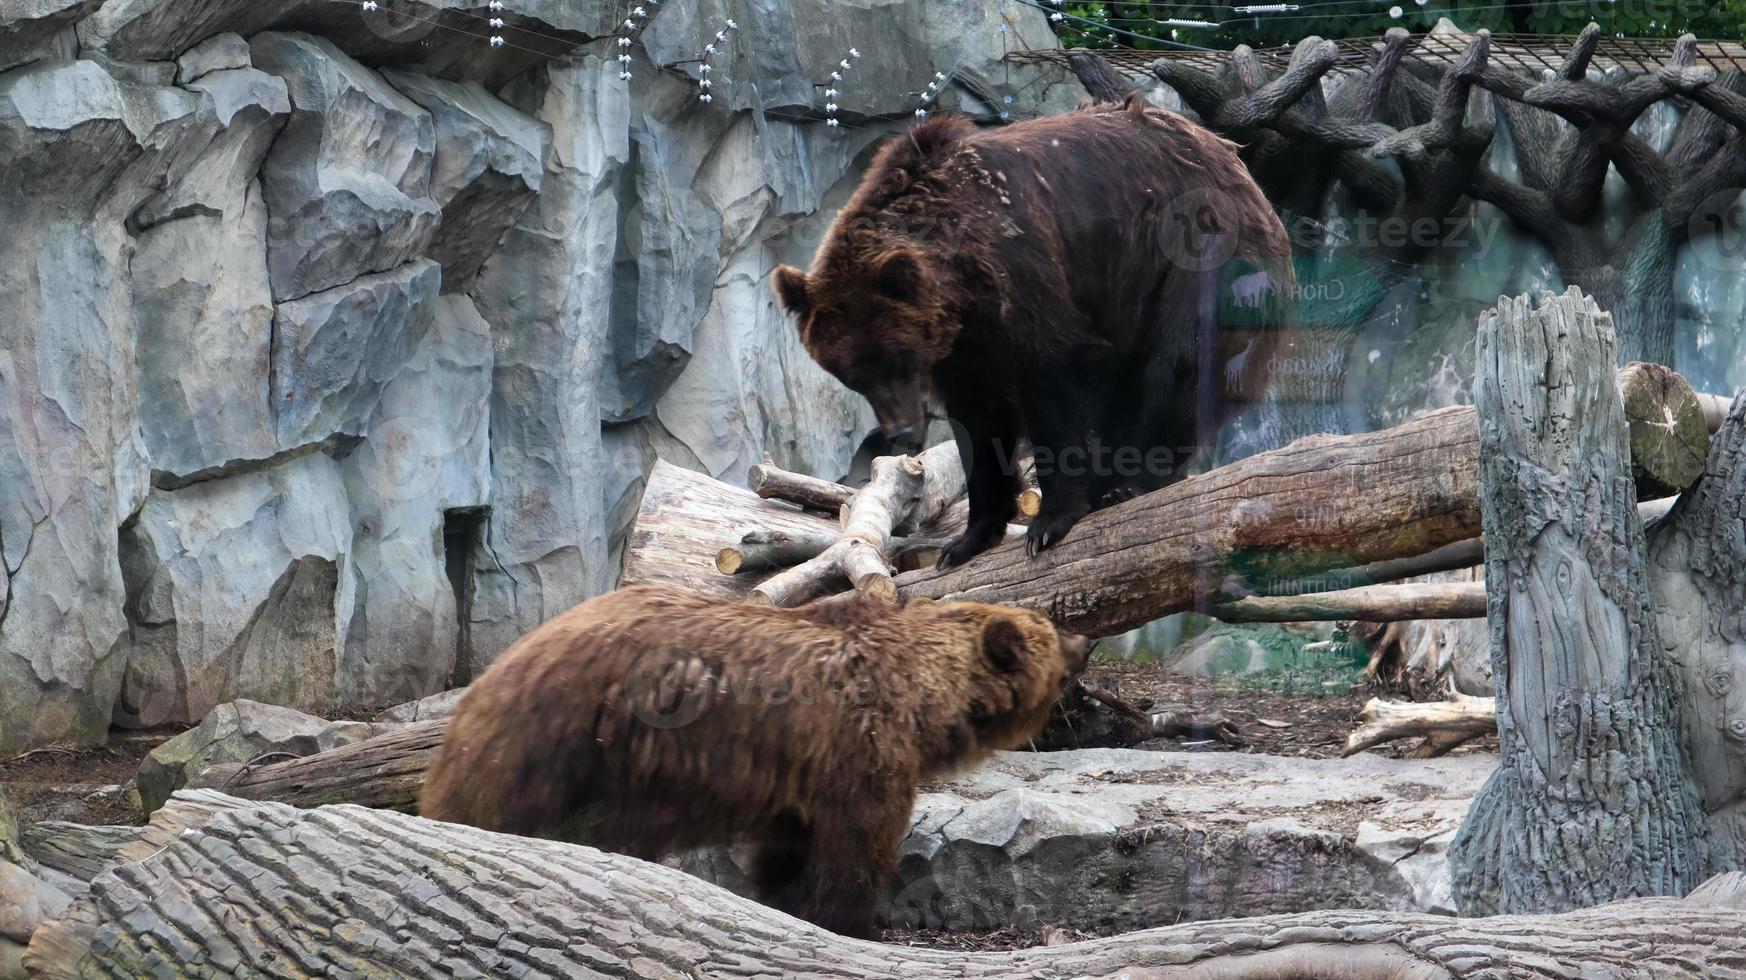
[[1030, 503], [728, 561], [877, 586], [1668, 430]]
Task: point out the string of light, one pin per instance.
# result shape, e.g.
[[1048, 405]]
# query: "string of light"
[[704, 67], [833, 91]]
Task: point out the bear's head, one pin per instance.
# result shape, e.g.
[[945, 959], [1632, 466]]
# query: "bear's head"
[[872, 313], [1005, 679]]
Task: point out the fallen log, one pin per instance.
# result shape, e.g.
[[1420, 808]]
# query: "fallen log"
[[1322, 502], [1372, 603], [386, 772], [1267, 522], [351, 891], [1443, 724]]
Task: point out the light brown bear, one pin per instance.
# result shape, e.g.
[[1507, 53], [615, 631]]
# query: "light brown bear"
[[649, 721]]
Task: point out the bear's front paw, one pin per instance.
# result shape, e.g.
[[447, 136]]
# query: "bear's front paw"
[[1047, 530], [974, 541], [959, 550]]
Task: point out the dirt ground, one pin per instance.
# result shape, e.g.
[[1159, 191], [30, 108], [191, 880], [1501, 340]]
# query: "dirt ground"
[[1311, 726], [64, 784]]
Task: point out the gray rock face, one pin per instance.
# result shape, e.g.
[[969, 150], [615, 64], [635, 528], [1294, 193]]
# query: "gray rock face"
[[334, 351], [488, 167], [348, 181], [330, 382], [33, 30], [1126, 838], [200, 290], [237, 588], [80, 150], [544, 293], [217, 52], [424, 459], [239, 731]]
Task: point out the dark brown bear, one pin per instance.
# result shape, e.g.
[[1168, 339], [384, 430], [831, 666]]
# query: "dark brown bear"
[[649, 721], [1107, 283]]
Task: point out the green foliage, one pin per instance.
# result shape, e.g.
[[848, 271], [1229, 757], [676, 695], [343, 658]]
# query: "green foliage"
[[1142, 25]]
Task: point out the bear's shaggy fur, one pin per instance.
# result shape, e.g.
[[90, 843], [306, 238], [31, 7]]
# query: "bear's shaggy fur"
[[1108, 284], [649, 720]]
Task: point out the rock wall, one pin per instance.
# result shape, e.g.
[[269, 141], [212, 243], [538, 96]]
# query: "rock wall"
[[334, 345]]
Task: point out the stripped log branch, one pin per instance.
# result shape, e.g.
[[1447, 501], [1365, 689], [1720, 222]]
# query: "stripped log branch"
[[761, 551], [1374, 603], [1442, 724]]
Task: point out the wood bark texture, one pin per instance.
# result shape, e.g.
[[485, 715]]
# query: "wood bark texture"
[[1697, 558], [269, 890], [386, 772], [1593, 799]]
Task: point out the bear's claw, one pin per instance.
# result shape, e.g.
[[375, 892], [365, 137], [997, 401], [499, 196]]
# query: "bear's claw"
[[1045, 533]]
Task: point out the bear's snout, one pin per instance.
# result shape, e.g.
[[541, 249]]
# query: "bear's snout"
[[1077, 649]]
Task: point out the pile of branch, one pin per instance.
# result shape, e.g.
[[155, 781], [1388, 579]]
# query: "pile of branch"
[[904, 492], [349, 891]]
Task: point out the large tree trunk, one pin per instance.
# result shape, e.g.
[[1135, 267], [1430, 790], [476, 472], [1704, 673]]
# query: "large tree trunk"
[[1697, 558], [271, 890], [1593, 800]]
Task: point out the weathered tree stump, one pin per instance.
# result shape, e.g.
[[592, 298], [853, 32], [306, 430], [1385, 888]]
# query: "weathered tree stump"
[[1697, 560], [1593, 800], [271, 890]]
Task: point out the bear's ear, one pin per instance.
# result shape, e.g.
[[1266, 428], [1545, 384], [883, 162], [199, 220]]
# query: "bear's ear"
[[898, 274], [1003, 643], [790, 286]]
